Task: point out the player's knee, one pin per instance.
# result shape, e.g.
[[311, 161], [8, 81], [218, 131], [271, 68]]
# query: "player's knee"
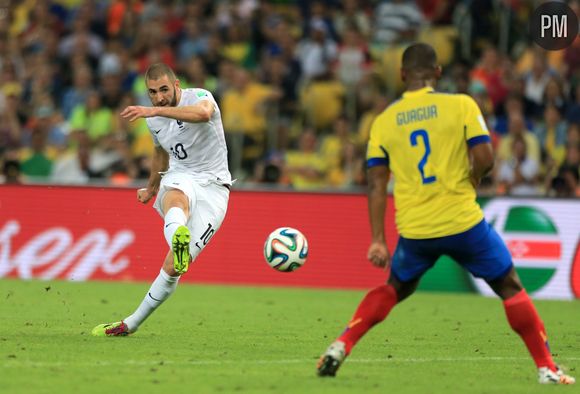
[[507, 286], [176, 198], [403, 289]]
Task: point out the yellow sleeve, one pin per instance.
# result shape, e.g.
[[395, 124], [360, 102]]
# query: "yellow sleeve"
[[475, 128], [504, 148], [376, 152], [263, 92]]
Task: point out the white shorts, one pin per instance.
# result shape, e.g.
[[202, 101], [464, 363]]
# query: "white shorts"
[[208, 203]]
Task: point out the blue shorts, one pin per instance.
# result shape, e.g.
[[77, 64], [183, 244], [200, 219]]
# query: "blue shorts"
[[480, 250]]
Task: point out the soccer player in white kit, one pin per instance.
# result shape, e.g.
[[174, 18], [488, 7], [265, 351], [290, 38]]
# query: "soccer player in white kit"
[[189, 176]]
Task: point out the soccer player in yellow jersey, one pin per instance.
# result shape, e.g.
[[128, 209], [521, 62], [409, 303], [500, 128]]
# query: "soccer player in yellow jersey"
[[438, 148]]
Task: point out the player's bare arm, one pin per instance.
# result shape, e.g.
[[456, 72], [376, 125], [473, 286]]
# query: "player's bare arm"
[[159, 164], [378, 177], [482, 161], [197, 113], [307, 172]]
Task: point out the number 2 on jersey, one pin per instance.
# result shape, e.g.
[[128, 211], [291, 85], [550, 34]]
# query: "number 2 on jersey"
[[425, 137]]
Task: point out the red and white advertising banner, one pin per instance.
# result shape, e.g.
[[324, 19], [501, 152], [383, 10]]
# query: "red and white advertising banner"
[[82, 234], [79, 234], [543, 237]]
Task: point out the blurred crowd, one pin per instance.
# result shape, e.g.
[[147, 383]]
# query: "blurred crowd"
[[298, 83]]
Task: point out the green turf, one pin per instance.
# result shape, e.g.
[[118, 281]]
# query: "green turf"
[[208, 339]]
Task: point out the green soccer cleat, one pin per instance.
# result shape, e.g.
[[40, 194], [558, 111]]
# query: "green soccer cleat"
[[117, 329], [181, 256]]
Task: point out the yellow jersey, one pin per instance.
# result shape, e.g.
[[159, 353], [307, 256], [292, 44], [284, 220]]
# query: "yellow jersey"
[[424, 139]]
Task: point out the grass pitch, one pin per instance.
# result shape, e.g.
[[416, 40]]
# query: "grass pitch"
[[217, 339]]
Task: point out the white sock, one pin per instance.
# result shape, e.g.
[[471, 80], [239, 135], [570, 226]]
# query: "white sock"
[[174, 218], [163, 286]]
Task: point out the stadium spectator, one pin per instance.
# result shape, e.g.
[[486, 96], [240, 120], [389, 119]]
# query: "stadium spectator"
[[380, 102], [538, 77], [134, 136], [322, 101], [237, 47], [490, 72], [428, 228], [551, 134], [282, 76], [226, 75], [352, 15], [44, 81], [79, 165], [10, 117], [554, 95], [479, 93], [573, 134], [78, 92], [213, 56], [111, 84], [153, 44], [566, 183], [305, 168], [11, 168], [573, 108], [519, 174], [37, 162], [123, 17], [49, 122], [317, 51], [270, 171], [318, 15], [245, 107], [194, 74], [396, 22], [353, 58], [517, 128], [457, 80], [349, 172], [193, 41], [438, 12], [517, 88], [117, 61], [333, 144], [81, 39], [92, 118], [571, 56], [512, 106]]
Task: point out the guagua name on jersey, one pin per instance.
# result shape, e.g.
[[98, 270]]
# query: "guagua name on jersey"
[[416, 115]]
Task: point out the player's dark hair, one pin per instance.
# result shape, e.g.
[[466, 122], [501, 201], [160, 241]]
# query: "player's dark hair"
[[158, 70], [419, 57]]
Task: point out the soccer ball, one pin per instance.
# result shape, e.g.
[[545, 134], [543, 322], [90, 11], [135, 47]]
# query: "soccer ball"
[[286, 249]]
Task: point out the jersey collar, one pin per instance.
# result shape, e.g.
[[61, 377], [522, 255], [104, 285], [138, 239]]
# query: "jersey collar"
[[418, 92]]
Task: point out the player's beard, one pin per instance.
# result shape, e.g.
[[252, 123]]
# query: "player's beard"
[[169, 103], [174, 99]]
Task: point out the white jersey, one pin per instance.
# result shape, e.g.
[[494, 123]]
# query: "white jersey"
[[198, 149]]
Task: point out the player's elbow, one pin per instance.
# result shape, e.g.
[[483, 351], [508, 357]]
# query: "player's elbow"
[[489, 166], [204, 115], [483, 159], [483, 165], [204, 112]]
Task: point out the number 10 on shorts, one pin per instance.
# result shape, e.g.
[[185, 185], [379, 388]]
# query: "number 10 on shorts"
[[206, 236]]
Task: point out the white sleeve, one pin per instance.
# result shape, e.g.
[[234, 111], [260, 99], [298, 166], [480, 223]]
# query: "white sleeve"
[[199, 95], [152, 132], [506, 172], [529, 169]]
